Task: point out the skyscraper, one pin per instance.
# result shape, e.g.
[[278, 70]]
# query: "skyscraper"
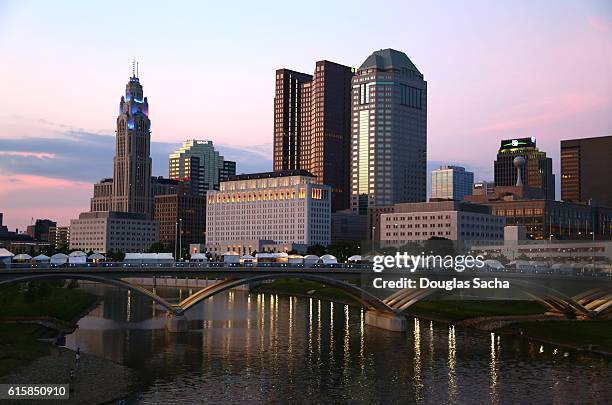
[[586, 166], [199, 165], [451, 183], [132, 164], [312, 125], [288, 112], [389, 132], [536, 172]]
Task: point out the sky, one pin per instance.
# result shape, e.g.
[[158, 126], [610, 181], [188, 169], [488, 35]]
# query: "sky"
[[495, 70]]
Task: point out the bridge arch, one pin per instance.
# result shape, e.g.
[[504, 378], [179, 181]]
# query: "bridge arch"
[[404, 299], [365, 298], [102, 280]]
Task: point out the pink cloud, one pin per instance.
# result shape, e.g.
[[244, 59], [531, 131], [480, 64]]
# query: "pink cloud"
[[26, 196], [38, 155]]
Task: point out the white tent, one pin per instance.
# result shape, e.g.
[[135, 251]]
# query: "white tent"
[[5, 256], [494, 264], [199, 258], [247, 259], [354, 258], [59, 259], [23, 257], [296, 259], [231, 257], [309, 260], [77, 257], [328, 259], [42, 258], [96, 257], [140, 258]]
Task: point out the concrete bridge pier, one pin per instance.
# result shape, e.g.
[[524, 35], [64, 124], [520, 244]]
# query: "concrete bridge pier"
[[176, 323], [386, 320]]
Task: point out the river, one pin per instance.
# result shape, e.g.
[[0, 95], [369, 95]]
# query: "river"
[[270, 348]]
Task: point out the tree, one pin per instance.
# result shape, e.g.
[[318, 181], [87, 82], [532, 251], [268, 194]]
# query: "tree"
[[157, 248], [318, 250]]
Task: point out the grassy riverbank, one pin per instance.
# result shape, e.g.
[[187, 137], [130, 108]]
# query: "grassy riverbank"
[[43, 300], [579, 334], [19, 342]]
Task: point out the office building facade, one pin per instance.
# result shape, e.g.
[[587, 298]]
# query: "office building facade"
[[200, 166], [389, 132], [312, 118], [286, 209], [59, 236], [586, 166], [452, 220], [113, 231], [535, 173], [451, 183], [181, 214], [40, 229]]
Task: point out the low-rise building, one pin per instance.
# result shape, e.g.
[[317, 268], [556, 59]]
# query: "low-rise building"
[[182, 214], [59, 236], [284, 210], [452, 220], [113, 231]]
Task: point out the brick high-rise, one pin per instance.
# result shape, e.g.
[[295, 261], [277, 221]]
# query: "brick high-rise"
[[312, 117]]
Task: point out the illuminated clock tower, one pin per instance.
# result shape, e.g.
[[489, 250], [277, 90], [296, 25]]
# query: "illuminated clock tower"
[[132, 163]]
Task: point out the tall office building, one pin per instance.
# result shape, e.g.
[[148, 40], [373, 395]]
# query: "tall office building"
[[536, 172], [288, 111], [451, 183], [586, 166], [201, 166], [132, 164], [312, 118], [389, 132]]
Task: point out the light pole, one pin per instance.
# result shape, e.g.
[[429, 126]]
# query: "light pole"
[[181, 238], [175, 239]]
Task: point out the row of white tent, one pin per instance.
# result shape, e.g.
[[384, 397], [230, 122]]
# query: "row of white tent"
[[76, 257], [233, 257]]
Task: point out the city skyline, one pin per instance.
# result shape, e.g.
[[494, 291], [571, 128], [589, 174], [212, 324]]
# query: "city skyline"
[[47, 129]]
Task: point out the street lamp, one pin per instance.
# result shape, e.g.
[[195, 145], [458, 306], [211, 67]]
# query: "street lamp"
[[181, 239]]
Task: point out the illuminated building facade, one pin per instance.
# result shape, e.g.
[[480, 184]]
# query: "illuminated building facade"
[[389, 132], [312, 125], [287, 209], [451, 183], [132, 164], [200, 166], [536, 173]]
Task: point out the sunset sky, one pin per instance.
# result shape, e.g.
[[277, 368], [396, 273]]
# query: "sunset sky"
[[494, 70]]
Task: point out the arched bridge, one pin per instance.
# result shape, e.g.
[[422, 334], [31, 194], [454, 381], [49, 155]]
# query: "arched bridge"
[[593, 302]]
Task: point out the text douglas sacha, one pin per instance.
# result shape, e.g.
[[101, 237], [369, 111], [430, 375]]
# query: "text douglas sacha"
[[452, 284]]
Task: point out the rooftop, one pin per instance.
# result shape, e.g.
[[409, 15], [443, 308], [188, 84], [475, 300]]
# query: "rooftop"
[[388, 59], [269, 175]]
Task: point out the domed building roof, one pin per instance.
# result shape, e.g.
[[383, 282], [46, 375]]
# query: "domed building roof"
[[385, 59]]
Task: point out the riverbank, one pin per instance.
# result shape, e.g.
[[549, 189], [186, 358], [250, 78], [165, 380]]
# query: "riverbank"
[[592, 335], [97, 381], [515, 317]]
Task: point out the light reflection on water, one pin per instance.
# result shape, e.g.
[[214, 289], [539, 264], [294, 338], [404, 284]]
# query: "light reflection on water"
[[263, 347]]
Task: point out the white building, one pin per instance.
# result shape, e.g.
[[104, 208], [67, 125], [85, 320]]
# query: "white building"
[[452, 220], [268, 211], [112, 231]]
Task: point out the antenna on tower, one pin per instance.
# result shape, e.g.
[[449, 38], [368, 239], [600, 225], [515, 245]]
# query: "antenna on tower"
[[134, 67]]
